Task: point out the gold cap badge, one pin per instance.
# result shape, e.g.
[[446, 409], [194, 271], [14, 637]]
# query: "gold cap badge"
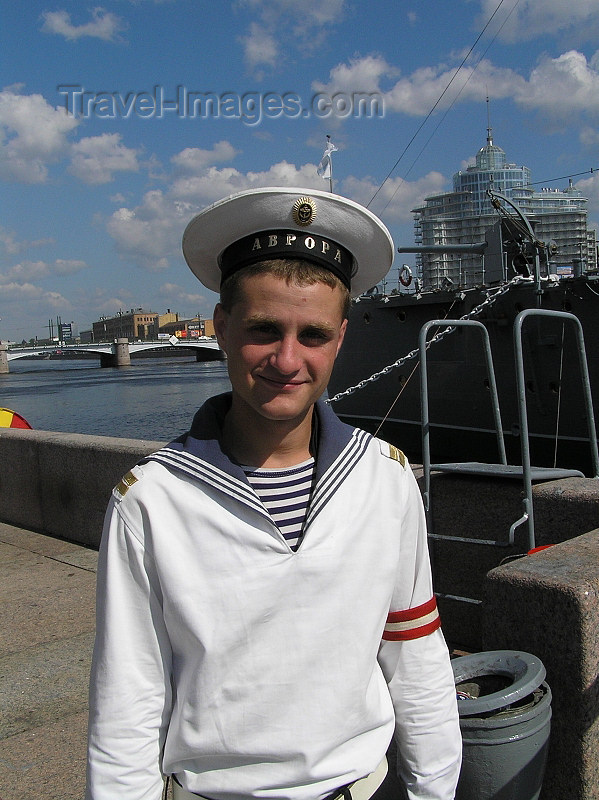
[[304, 211]]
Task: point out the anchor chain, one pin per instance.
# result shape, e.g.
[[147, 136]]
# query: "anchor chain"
[[492, 296]]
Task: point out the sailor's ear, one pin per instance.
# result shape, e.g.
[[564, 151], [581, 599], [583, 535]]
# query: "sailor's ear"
[[220, 319], [341, 335]]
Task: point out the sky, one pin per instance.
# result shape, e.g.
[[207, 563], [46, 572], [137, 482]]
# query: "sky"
[[119, 122]]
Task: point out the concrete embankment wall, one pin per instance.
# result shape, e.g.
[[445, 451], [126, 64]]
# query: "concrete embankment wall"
[[60, 483]]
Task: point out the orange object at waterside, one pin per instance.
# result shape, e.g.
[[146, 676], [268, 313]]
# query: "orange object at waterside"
[[10, 419]]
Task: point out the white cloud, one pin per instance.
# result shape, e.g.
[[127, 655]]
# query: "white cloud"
[[361, 74], [68, 266], [590, 189], [419, 93], [289, 23], [9, 242], [214, 183], [589, 137], [561, 86], [260, 47], [29, 291], [103, 25], [530, 19], [95, 159], [397, 197], [115, 303], [302, 17], [556, 87], [15, 290], [193, 160], [11, 245], [172, 293], [32, 135], [416, 94], [38, 298], [26, 271], [150, 234]]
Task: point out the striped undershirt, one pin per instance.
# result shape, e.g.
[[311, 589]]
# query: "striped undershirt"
[[285, 493]]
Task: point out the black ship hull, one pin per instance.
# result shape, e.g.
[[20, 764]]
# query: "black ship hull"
[[382, 329]]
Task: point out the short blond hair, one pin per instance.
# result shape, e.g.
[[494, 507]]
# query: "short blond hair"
[[292, 270]]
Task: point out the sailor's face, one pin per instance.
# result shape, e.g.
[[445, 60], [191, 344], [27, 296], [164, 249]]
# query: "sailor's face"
[[281, 342]]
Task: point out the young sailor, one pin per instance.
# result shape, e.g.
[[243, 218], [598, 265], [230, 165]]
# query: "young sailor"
[[266, 620]]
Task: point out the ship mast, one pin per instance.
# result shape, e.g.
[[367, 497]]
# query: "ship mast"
[[489, 140]]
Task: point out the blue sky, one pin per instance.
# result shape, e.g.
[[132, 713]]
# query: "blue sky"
[[104, 163]]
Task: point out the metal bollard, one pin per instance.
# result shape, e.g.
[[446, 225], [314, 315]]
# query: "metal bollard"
[[505, 719]]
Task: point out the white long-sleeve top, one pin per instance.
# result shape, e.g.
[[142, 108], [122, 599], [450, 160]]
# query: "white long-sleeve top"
[[247, 669]]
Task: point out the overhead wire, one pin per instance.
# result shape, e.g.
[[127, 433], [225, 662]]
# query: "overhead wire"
[[448, 109], [445, 90], [590, 171]]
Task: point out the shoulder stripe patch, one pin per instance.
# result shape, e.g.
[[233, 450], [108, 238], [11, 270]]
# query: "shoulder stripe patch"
[[412, 623], [391, 451], [125, 483], [396, 454]]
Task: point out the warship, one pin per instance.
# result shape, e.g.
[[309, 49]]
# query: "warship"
[[544, 366]]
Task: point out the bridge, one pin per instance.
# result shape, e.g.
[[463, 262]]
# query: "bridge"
[[116, 353]]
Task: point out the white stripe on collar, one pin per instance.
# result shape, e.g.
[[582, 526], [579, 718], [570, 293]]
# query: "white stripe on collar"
[[337, 472], [202, 470]]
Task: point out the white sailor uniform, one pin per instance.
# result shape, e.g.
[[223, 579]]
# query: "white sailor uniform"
[[249, 670]]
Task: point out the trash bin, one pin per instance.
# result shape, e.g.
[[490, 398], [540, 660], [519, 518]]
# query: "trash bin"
[[505, 718]]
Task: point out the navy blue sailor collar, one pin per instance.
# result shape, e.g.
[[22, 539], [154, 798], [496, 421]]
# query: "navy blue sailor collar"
[[199, 452]]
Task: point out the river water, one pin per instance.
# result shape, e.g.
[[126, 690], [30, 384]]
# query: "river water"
[[154, 398]]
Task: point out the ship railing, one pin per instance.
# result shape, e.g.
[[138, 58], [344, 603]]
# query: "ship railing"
[[527, 473]]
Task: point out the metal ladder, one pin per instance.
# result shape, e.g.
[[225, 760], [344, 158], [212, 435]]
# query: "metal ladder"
[[527, 473]]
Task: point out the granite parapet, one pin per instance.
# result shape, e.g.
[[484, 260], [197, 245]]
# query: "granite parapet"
[[547, 604], [60, 483]]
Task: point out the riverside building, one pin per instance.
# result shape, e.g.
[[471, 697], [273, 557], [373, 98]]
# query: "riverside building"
[[465, 214], [138, 324], [134, 324]]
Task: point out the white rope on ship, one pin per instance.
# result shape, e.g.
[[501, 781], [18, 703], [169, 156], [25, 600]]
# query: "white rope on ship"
[[492, 296]]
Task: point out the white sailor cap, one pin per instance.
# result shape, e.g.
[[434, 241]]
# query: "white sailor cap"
[[279, 222]]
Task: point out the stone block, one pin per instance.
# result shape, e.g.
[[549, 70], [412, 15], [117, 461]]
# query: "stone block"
[[548, 604], [565, 508], [20, 491], [60, 483], [484, 508]]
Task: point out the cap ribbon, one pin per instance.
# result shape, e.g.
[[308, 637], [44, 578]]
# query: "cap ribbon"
[[287, 244]]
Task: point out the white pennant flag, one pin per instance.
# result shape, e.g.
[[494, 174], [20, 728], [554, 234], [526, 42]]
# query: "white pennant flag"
[[325, 168]]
